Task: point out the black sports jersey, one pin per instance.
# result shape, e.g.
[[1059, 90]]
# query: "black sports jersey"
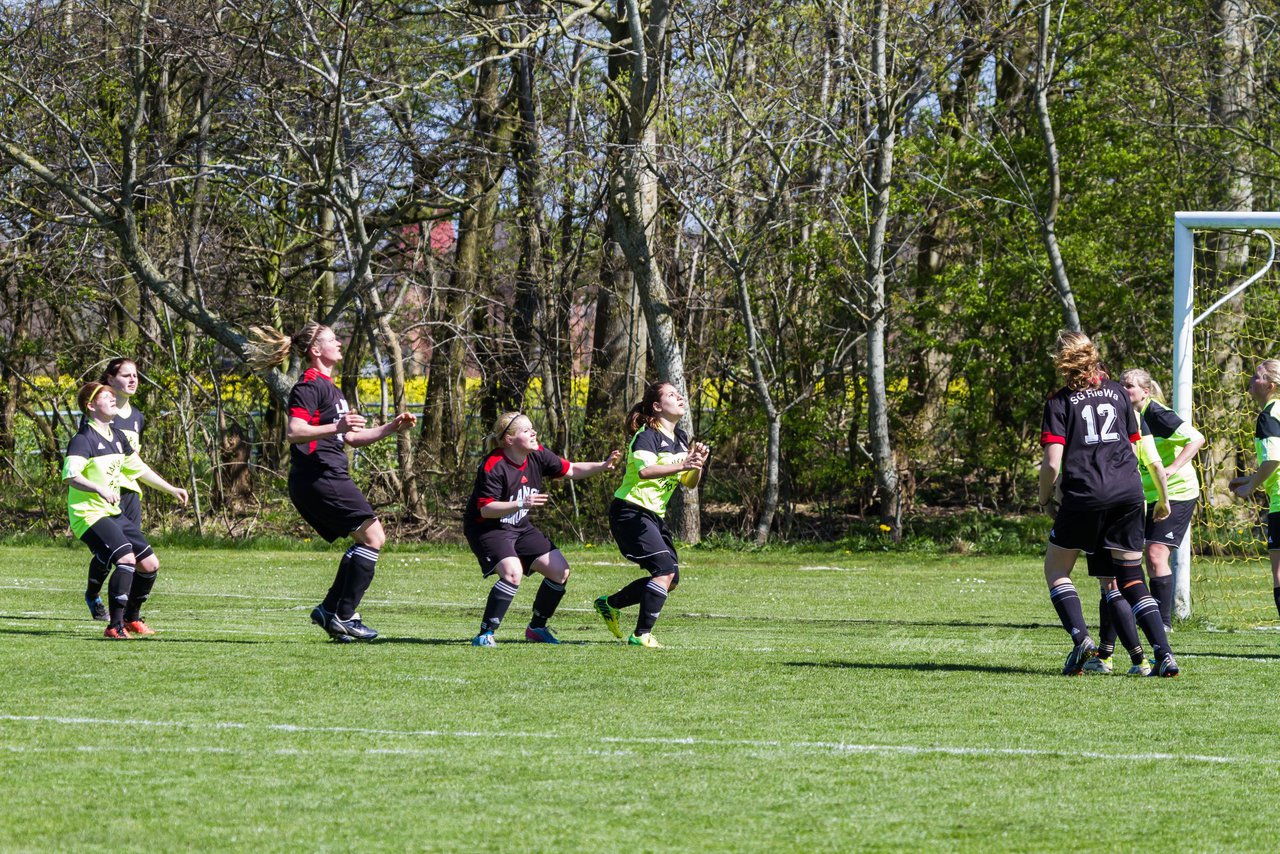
[[499, 479], [1097, 426], [316, 400]]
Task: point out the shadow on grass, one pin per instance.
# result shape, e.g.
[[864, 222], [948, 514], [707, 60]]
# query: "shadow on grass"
[[857, 621], [513, 642], [921, 667]]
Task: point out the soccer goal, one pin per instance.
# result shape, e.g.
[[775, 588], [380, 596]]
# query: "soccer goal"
[[1226, 319]]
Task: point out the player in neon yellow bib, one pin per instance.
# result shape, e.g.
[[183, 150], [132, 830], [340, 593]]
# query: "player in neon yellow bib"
[[660, 459], [1176, 444], [99, 460], [1264, 388]]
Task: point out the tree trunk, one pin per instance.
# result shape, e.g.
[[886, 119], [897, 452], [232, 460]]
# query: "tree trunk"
[[1049, 216], [635, 196], [886, 471], [444, 411]]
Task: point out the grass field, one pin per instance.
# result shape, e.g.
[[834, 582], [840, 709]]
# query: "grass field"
[[805, 702]]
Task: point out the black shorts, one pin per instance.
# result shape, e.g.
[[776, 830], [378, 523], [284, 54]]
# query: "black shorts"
[[333, 506], [113, 536], [643, 538], [1094, 529], [1171, 531], [1273, 532], [492, 545]]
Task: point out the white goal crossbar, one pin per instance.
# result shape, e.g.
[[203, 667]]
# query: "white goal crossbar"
[[1184, 322]]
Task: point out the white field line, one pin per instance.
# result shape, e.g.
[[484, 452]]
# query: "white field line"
[[838, 747]]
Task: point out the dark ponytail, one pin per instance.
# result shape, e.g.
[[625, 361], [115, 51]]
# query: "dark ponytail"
[[642, 413]]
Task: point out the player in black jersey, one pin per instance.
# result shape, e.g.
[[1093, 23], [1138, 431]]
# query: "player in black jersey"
[[509, 485], [1088, 433], [321, 426]]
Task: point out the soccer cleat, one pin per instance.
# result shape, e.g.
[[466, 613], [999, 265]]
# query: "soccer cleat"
[[1098, 664], [1079, 654], [321, 618], [609, 614], [484, 639], [116, 633], [645, 639], [96, 609], [540, 635], [137, 628], [1168, 668], [1142, 668], [352, 628]]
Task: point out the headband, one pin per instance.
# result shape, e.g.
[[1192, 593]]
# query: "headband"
[[504, 430]]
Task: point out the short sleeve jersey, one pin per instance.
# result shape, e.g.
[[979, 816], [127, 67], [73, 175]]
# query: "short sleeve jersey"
[[1164, 426], [1266, 443], [652, 447], [316, 400], [103, 460], [1096, 426], [500, 479]]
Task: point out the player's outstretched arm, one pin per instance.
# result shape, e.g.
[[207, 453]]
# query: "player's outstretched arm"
[[577, 471], [155, 481], [361, 437]]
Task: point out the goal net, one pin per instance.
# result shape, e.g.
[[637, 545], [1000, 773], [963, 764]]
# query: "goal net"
[[1226, 321]]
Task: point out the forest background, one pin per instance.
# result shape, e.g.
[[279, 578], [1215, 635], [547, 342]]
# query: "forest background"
[[849, 231]]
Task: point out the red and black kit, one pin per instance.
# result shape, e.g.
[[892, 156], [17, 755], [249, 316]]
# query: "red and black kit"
[[1102, 500], [320, 484], [513, 535]]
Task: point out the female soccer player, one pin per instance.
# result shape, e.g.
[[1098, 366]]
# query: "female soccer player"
[[1088, 428], [1177, 444], [659, 459], [122, 376], [321, 426], [509, 485], [1264, 388], [100, 459]]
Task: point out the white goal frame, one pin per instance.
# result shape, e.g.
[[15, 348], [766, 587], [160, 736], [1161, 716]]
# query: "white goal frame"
[[1185, 321]]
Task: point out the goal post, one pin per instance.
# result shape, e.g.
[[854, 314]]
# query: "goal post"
[[1185, 319]]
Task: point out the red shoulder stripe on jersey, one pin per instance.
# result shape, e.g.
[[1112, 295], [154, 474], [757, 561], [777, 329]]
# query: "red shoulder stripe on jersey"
[[494, 457], [1047, 438], [312, 373]]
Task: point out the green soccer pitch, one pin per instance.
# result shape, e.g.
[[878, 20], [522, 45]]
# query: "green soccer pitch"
[[805, 701]]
